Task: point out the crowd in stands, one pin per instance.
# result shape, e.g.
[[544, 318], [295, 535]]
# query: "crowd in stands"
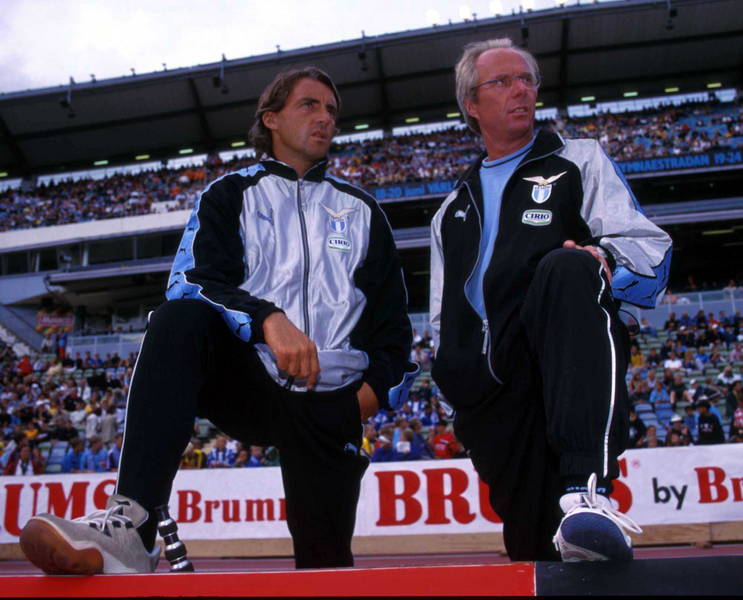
[[686, 381], [440, 155]]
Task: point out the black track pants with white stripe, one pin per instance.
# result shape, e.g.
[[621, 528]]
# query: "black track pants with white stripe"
[[564, 413], [191, 364]]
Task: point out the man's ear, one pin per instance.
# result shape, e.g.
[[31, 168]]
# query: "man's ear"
[[269, 120], [471, 108]]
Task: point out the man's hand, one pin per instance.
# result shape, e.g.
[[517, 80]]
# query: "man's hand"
[[368, 403], [594, 252], [295, 353]]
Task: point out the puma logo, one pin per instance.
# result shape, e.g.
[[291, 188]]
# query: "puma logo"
[[462, 213]]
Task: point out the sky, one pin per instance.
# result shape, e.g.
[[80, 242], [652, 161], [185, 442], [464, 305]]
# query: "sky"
[[45, 42]]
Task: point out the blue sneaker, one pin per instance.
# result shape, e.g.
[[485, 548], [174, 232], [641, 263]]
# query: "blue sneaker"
[[592, 529]]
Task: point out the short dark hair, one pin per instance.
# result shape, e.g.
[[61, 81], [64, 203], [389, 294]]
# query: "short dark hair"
[[273, 99]]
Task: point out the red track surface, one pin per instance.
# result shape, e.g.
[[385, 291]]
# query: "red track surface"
[[479, 580], [246, 565], [430, 575]]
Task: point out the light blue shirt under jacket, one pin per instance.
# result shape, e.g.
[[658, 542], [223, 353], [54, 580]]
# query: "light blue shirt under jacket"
[[494, 176]]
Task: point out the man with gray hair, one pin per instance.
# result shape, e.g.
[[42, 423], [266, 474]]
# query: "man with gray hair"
[[530, 256]]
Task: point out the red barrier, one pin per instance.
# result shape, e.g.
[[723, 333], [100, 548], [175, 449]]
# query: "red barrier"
[[483, 580]]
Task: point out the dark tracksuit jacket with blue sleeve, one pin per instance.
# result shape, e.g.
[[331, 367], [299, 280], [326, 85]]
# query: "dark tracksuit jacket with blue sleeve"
[[317, 248], [561, 190]]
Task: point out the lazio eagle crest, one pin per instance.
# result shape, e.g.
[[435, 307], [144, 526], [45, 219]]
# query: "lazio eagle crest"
[[339, 221], [542, 191]]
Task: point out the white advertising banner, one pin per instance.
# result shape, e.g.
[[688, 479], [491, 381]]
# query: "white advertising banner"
[[658, 486]]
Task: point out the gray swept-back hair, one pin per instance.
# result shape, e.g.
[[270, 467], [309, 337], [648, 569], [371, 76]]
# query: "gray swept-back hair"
[[467, 76]]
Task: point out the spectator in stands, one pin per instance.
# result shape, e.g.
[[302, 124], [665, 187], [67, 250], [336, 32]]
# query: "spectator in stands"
[[652, 360], [256, 457], [65, 432], [221, 457], [715, 358], [637, 360], [677, 389], [93, 423], [701, 359], [650, 380], [659, 394], [429, 418], [25, 464], [370, 438], [709, 427], [637, 387], [114, 454], [736, 436], [727, 377], [678, 428], [734, 398], [637, 430], [665, 351], [385, 452], [193, 457], [736, 354], [271, 457], [407, 448], [444, 444], [425, 391], [651, 438], [78, 415], [73, 460], [422, 449], [701, 320], [674, 440], [673, 363], [690, 364], [95, 459], [109, 426], [647, 328], [13, 449], [401, 424], [242, 460], [672, 323]]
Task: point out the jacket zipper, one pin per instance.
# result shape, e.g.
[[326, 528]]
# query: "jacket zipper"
[[485, 325], [306, 274], [306, 260], [486, 342]]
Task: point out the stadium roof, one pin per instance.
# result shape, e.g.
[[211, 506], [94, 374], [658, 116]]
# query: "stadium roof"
[[603, 50]]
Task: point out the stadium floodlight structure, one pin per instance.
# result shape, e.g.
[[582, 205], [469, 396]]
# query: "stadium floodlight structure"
[[433, 17], [218, 81], [362, 54], [496, 7], [672, 14], [66, 101], [465, 12]]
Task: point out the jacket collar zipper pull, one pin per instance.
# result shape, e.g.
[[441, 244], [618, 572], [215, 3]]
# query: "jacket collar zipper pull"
[[486, 337]]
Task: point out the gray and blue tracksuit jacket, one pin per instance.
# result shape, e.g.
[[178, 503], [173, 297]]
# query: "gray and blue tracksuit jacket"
[[561, 190], [317, 248]]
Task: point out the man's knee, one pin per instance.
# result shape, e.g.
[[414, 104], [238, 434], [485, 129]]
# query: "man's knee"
[[568, 263], [186, 315]]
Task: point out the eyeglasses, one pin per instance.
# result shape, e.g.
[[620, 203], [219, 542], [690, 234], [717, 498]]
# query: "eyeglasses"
[[504, 82]]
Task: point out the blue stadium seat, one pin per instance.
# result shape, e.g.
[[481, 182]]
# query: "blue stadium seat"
[[643, 407]]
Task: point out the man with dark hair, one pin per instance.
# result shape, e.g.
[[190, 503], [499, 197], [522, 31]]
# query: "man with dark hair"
[[529, 254], [285, 326], [709, 427]]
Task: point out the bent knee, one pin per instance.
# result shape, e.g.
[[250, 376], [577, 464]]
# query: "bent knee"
[[570, 262], [186, 313]]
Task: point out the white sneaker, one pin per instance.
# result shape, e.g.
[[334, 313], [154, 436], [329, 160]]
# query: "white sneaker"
[[105, 541], [592, 529]]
